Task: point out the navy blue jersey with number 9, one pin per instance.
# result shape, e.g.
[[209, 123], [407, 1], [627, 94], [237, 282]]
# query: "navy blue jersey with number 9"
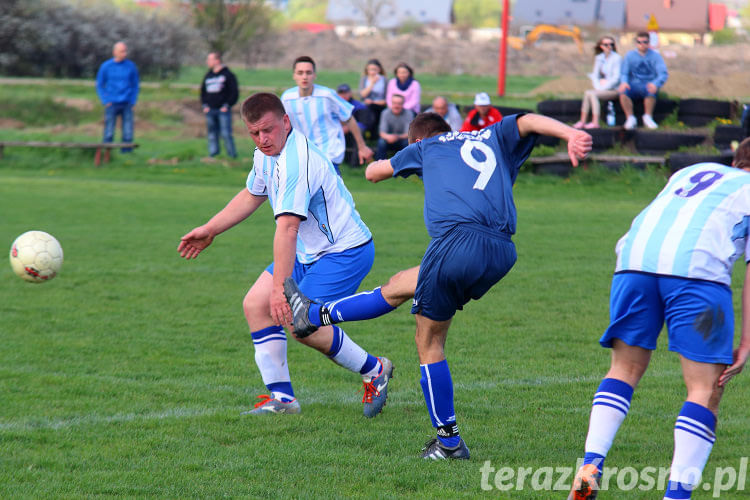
[[468, 176]]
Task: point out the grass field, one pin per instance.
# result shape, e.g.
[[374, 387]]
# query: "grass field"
[[125, 375]]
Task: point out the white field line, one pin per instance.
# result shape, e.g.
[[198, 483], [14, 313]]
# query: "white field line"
[[409, 396]]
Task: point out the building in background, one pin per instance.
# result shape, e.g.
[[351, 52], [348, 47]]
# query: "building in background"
[[390, 14]]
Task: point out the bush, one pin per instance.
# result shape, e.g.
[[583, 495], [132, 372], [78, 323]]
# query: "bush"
[[55, 38]]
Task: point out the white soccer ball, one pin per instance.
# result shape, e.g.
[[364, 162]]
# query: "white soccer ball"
[[36, 256]]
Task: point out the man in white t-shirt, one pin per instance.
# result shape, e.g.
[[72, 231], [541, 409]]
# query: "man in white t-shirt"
[[318, 112], [320, 241]]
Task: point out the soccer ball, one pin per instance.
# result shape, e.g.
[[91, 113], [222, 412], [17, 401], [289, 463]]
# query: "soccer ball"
[[36, 256]]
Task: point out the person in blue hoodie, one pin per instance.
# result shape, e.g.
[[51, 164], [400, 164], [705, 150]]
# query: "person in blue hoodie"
[[118, 83], [642, 74]]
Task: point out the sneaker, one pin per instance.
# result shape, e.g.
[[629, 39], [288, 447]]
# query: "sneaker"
[[579, 124], [591, 125], [434, 450], [630, 123], [649, 122], [376, 389], [268, 405], [586, 483], [300, 309]]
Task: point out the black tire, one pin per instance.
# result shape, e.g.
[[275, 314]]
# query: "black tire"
[[562, 169], [505, 110], [705, 107], [559, 107], [695, 120], [725, 134], [658, 142], [547, 140], [677, 161], [603, 138]]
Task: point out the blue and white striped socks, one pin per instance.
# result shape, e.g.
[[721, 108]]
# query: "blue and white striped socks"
[[346, 353], [694, 436], [609, 409], [270, 356]]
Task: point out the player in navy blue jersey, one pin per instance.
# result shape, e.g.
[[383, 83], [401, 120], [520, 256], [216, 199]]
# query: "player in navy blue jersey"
[[470, 216]]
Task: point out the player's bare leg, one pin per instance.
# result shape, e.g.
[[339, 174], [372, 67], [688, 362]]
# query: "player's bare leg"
[[437, 387]]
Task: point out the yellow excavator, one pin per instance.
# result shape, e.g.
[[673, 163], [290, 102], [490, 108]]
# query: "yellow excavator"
[[537, 31]]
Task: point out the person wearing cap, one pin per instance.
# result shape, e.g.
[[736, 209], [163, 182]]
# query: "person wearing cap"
[[483, 115], [361, 114]]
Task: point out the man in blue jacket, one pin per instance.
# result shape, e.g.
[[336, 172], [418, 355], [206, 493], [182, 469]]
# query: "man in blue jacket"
[[642, 74], [117, 84]]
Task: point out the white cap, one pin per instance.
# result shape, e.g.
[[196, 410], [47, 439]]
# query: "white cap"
[[482, 99]]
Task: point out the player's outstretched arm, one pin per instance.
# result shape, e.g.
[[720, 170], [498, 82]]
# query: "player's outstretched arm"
[[379, 171], [743, 350], [363, 150], [237, 210], [284, 251], [579, 142]]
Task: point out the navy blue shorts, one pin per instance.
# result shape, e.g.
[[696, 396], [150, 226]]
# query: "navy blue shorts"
[[699, 315], [334, 275], [458, 267], [639, 91]]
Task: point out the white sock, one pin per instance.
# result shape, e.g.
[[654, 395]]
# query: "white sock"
[[345, 352]]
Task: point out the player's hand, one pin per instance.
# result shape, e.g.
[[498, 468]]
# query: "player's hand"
[[194, 242], [280, 310], [652, 89], [740, 358], [365, 154], [623, 87], [579, 146]]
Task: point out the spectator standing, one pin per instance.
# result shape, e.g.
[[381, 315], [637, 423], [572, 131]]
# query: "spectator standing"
[[483, 115], [605, 78], [394, 127], [219, 92], [117, 84], [318, 113], [447, 111], [642, 74], [372, 87], [405, 84]]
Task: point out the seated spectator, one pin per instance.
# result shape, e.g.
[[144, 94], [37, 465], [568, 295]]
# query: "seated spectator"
[[405, 85], [362, 115], [372, 87], [642, 74], [394, 128], [448, 111], [483, 114], [605, 78]]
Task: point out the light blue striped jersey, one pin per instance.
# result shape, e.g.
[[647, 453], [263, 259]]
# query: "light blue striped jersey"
[[697, 227], [303, 182], [319, 117]]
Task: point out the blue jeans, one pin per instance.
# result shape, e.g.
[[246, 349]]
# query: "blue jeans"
[[124, 109], [383, 147], [220, 123]]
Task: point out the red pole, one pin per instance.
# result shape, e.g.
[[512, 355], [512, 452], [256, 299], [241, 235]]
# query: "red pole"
[[503, 50]]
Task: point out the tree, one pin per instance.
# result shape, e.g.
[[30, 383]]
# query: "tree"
[[226, 25], [371, 9]]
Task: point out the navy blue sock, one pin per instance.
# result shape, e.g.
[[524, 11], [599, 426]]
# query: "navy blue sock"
[[363, 305], [437, 386]]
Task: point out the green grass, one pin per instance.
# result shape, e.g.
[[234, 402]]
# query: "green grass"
[[125, 375]]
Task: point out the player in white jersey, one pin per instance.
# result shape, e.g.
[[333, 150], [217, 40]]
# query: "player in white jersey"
[[318, 112], [674, 265], [320, 240]]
